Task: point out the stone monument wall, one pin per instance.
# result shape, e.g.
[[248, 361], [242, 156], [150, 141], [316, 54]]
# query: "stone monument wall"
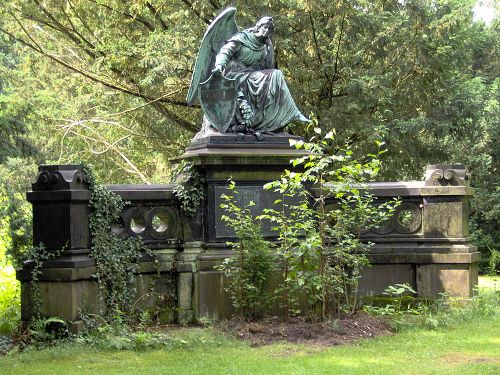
[[425, 244]]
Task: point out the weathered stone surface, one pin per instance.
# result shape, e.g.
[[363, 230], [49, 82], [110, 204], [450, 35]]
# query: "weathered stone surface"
[[211, 301], [425, 244], [261, 198], [457, 280], [446, 175], [446, 217], [377, 277], [60, 177], [60, 299]]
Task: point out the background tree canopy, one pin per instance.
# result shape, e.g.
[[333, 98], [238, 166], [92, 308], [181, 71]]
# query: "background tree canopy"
[[105, 81]]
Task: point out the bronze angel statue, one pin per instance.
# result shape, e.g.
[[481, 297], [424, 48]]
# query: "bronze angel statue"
[[235, 80]]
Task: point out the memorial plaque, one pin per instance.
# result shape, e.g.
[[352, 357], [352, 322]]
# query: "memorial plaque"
[[262, 199]]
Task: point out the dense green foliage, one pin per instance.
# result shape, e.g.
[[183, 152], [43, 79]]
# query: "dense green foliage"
[[105, 82], [408, 312], [318, 237], [10, 299], [15, 222], [116, 257], [318, 246], [250, 270]]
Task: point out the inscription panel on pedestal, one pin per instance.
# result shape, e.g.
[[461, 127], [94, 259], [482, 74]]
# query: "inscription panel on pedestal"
[[262, 199]]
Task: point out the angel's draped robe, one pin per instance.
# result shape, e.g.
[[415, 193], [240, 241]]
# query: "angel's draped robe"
[[251, 62]]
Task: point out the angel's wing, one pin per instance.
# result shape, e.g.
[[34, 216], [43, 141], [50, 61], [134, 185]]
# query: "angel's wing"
[[219, 31]]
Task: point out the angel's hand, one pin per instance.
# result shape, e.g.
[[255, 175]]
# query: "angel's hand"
[[218, 69]]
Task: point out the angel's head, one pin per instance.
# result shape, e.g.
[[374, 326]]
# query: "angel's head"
[[264, 27]]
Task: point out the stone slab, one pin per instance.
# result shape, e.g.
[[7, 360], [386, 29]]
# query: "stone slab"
[[457, 280], [237, 141], [376, 278], [261, 199], [211, 301]]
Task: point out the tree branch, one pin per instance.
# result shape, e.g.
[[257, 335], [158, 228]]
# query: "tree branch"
[[214, 4], [109, 146], [173, 117], [65, 31], [157, 15], [155, 102], [337, 54], [185, 124], [329, 97], [83, 22], [328, 83], [191, 6], [315, 39], [140, 19], [75, 30]]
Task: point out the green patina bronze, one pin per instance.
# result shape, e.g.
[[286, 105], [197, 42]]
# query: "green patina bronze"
[[235, 80]]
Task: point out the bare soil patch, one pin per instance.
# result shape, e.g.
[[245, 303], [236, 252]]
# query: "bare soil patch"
[[458, 359], [274, 329]]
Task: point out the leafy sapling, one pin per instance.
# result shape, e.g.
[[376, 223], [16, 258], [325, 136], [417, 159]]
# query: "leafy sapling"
[[250, 269], [317, 236]]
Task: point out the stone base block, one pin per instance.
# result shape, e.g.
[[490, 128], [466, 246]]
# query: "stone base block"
[[65, 300], [211, 301], [457, 280], [376, 278], [68, 295]]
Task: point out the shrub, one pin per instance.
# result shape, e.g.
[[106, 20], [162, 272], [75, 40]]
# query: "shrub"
[[250, 269], [319, 237]]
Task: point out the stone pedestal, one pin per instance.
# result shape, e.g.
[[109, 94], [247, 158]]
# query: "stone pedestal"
[[425, 244], [67, 286], [60, 199], [250, 164]]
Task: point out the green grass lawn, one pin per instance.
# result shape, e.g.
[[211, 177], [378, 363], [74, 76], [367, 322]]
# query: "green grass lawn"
[[467, 348], [489, 282], [472, 348]]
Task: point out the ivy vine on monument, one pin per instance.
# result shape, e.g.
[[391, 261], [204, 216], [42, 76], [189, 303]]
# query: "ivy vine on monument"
[[37, 255], [117, 258], [188, 187]]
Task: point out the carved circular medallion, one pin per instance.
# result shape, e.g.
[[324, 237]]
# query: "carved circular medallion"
[[407, 218], [384, 228]]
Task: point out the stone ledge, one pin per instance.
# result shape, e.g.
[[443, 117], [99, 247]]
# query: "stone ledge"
[[162, 193], [58, 274], [67, 274], [438, 247], [428, 258], [415, 188], [231, 140]]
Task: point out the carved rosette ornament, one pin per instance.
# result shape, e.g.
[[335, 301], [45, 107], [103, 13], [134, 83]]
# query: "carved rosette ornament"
[[407, 219]]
